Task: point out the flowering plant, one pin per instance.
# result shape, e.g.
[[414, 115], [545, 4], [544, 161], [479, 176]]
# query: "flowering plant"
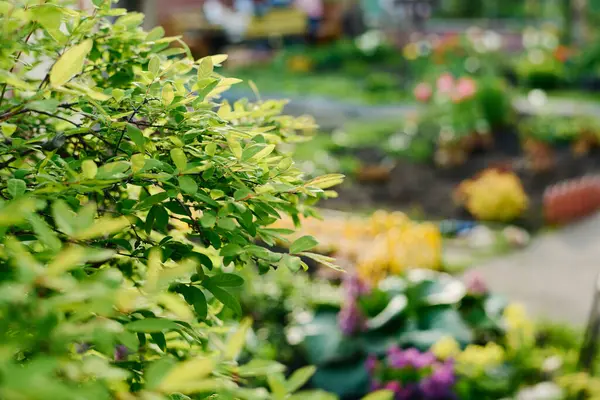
[[462, 115]]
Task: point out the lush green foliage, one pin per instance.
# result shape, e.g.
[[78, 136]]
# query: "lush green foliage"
[[112, 138]]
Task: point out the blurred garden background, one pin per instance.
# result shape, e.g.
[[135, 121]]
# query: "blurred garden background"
[[421, 223]]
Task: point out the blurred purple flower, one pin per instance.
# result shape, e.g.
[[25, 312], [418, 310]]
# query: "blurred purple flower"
[[121, 353], [412, 357], [476, 284], [351, 319], [408, 392], [440, 383], [355, 287], [371, 364], [376, 385]]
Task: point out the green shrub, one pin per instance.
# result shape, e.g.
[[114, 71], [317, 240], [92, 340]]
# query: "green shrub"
[[101, 156]]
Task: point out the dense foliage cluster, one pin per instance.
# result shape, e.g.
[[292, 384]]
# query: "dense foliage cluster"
[[111, 137]]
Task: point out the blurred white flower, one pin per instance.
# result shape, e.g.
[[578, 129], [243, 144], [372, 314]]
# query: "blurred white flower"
[[541, 391], [481, 237], [492, 40], [537, 98], [369, 41], [398, 141]]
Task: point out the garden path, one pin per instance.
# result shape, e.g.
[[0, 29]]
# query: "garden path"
[[332, 113], [554, 276]]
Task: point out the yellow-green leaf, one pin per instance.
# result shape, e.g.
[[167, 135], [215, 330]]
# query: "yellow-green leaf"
[[103, 226], [263, 153], [235, 147], [210, 149], [237, 340], [89, 169], [8, 129], [13, 80], [176, 305], [179, 159], [66, 260], [218, 59], [325, 181], [137, 162], [118, 94], [70, 63], [185, 373], [205, 68], [154, 65], [380, 395], [167, 94]]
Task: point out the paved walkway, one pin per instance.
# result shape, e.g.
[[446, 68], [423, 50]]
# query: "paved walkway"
[[332, 113], [554, 277]]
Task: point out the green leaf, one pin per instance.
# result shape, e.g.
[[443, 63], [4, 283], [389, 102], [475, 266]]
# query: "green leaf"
[[167, 94], [199, 302], [179, 159], [299, 378], [70, 63], [230, 250], [208, 220], [16, 187], [151, 200], [155, 34], [226, 223], [89, 169], [45, 234], [64, 217], [159, 340], [224, 297], [49, 16], [154, 65], [157, 371], [235, 147], [302, 244], [226, 279], [151, 325], [48, 105], [188, 184], [205, 68], [277, 385], [118, 94], [241, 194], [102, 227], [325, 181], [258, 367], [263, 153], [113, 170], [210, 149], [136, 135]]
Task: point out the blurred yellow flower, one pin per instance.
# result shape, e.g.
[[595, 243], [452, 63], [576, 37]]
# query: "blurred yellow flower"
[[520, 331], [446, 347], [493, 196], [476, 359]]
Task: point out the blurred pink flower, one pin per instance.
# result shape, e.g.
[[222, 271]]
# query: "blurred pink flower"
[[423, 92], [394, 387], [445, 83], [465, 89], [476, 284]]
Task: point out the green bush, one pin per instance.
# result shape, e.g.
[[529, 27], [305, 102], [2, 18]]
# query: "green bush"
[[112, 137]]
